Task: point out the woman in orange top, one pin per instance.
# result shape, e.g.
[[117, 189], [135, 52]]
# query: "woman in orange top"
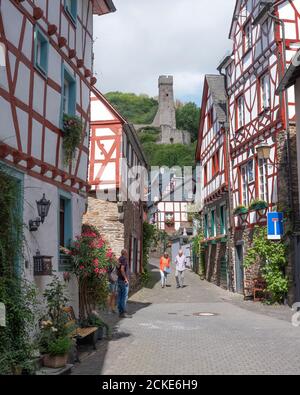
[[163, 265]]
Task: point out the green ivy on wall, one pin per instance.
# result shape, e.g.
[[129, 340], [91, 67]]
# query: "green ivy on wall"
[[271, 255], [18, 296]]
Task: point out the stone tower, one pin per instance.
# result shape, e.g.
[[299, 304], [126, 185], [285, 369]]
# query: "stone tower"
[[165, 118], [166, 115]]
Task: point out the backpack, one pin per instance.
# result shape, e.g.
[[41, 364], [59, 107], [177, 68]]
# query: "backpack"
[[113, 275]]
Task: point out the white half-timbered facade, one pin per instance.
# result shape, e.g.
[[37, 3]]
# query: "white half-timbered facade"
[[47, 51]]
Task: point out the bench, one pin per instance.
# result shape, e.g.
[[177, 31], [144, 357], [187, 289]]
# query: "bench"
[[80, 333], [259, 287]]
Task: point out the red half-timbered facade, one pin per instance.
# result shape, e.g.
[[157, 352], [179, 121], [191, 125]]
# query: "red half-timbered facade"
[[47, 72], [258, 116], [116, 158], [211, 154]]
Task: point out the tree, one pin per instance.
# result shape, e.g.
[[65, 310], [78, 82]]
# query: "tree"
[[137, 109], [187, 118]]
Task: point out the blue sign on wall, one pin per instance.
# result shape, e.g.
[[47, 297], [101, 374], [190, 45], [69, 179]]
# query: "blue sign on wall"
[[275, 226]]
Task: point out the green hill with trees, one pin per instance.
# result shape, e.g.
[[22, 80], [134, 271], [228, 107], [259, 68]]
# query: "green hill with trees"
[[141, 110]]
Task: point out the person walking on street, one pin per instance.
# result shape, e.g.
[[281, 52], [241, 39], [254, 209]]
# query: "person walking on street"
[[123, 284], [180, 263], [113, 285], [164, 266]]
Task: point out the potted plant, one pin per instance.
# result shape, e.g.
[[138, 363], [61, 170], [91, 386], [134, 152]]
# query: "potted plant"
[[55, 341], [57, 352], [72, 135], [259, 205]]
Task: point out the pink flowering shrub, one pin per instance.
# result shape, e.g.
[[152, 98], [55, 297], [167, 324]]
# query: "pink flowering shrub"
[[91, 254], [91, 257]]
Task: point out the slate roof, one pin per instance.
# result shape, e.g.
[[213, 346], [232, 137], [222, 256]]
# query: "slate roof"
[[216, 84]]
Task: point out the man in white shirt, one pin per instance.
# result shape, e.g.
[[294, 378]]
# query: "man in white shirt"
[[180, 263]]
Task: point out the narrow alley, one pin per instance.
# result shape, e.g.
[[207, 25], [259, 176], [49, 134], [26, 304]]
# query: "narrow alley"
[[168, 334]]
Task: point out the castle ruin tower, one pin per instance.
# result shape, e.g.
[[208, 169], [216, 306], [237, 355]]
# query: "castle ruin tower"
[[166, 114]]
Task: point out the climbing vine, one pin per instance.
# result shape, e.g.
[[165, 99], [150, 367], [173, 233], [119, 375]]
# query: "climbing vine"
[[199, 252], [272, 258], [149, 237], [18, 296]]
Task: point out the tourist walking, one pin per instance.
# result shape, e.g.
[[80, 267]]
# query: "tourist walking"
[[180, 264], [164, 266], [113, 285], [123, 284]]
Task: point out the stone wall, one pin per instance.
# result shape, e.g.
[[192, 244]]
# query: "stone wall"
[[170, 135], [104, 215]]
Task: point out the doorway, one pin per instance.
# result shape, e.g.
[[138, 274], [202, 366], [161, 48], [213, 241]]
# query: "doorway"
[[239, 268]]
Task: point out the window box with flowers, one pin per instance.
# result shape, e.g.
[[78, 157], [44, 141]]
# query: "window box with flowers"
[[169, 222], [259, 205], [242, 212]]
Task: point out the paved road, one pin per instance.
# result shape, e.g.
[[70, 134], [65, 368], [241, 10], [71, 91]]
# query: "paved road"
[[165, 337]]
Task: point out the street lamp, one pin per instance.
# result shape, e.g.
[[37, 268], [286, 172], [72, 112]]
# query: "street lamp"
[[43, 206]]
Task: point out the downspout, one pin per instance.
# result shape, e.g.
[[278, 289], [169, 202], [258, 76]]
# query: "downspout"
[[230, 199]]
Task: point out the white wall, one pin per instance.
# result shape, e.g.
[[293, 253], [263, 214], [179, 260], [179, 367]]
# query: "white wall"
[[46, 239]]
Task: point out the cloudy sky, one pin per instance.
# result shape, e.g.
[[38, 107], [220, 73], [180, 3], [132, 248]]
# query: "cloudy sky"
[[148, 38]]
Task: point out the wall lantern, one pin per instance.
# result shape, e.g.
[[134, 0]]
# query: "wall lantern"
[[43, 206], [263, 151], [42, 265]]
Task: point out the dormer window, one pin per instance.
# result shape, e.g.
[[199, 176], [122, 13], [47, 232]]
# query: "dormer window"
[[247, 37]]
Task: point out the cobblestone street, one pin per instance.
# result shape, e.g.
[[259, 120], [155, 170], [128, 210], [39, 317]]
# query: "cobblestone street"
[[166, 336]]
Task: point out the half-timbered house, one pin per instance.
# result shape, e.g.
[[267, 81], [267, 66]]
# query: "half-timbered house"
[[212, 156], [117, 176], [265, 36], [48, 55]]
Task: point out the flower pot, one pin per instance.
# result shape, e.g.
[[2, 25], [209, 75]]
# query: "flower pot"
[[55, 361]]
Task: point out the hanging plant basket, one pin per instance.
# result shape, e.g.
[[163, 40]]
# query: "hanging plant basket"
[[241, 210], [72, 135]]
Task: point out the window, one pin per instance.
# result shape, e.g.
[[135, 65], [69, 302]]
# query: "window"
[[68, 93], [71, 9], [205, 175], [65, 221], [206, 226], [263, 179], [245, 199], [41, 49], [247, 37], [265, 97], [210, 119], [223, 220], [213, 224], [250, 171], [240, 114], [215, 164]]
